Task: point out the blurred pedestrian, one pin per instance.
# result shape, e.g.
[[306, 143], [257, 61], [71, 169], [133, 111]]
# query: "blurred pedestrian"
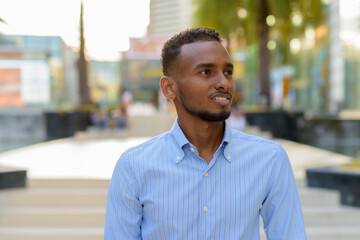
[[120, 119], [100, 118], [125, 97], [202, 179]]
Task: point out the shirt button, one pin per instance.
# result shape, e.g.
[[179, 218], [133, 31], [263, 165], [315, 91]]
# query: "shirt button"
[[205, 209], [178, 158], [192, 149], [228, 157], [206, 174]]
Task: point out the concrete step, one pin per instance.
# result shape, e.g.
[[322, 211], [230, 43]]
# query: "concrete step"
[[318, 197], [92, 217], [52, 217], [331, 217], [53, 198], [333, 233], [61, 196], [301, 183], [21, 233], [75, 209], [68, 183], [327, 233]]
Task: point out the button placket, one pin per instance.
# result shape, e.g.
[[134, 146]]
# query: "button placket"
[[205, 183]]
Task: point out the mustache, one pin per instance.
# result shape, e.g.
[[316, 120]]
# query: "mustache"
[[226, 92]]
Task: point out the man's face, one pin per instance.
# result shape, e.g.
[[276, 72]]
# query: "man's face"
[[203, 75]]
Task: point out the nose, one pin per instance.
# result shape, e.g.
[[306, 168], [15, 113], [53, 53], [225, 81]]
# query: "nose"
[[223, 83]]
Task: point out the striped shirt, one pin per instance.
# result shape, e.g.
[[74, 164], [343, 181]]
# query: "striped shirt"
[[162, 189]]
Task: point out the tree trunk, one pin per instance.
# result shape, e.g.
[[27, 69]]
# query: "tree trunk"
[[264, 55], [82, 66]]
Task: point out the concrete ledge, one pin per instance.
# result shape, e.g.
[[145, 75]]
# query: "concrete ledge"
[[12, 177], [334, 177]]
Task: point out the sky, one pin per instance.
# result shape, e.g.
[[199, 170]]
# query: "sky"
[[108, 23]]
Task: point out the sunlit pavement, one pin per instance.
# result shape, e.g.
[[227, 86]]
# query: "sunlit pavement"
[[93, 154], [68, 179], [70, 158]]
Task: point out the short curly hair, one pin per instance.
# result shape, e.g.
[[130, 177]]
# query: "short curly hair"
[[171, 49]]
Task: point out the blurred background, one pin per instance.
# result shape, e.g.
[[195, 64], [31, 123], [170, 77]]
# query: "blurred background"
[[69, 65], [79, 84]]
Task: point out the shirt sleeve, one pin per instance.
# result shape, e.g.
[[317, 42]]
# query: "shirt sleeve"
[[281, 210], [123, 210]]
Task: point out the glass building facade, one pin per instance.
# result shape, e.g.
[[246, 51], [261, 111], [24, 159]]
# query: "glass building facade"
[[47, 71]]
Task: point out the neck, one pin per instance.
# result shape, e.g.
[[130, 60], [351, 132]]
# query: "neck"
[[205, 136]]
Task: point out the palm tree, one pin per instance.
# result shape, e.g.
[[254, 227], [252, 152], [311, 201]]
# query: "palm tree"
[[221, 15], [82, 66], [227, 16]]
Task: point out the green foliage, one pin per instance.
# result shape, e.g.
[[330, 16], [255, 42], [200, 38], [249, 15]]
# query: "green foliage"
[[292, 18], [223, 16], [220, 15]]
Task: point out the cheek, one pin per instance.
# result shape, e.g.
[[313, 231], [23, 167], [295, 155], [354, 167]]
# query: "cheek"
[[232, 87]]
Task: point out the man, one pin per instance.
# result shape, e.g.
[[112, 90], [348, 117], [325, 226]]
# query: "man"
[[202, 180]]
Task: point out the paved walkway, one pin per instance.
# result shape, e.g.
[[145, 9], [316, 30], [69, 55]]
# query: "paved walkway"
[[68, 180], [93, 155]]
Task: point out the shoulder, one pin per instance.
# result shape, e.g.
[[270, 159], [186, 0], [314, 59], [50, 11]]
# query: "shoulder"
[[139, 156], [154, 144], [136, 160], [149, 144], [244, 138], [260, 148]]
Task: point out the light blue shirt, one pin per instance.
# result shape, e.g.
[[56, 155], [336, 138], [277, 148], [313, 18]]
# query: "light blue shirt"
[[162, 189]]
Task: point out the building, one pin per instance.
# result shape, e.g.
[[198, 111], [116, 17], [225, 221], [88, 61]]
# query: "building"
[[168, 17], [327, 79], [104, 81], [141, 68], [37, 71]]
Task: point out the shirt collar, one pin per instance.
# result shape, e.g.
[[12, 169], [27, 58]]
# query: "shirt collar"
[[181, 141], [226, 143]]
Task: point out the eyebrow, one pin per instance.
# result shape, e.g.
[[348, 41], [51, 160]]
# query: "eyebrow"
[[204, 65]]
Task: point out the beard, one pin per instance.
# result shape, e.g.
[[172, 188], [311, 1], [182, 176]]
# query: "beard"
[[204, 115]]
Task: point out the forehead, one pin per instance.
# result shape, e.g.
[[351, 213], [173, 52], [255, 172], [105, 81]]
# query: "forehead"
[[203, 52]]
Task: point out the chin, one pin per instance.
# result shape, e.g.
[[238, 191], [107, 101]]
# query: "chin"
[[214, 117]]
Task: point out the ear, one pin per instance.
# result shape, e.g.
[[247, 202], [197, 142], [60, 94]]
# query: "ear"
[[168, 87]]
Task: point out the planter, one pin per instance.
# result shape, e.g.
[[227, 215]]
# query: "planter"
[[12, 177], [334, 177]]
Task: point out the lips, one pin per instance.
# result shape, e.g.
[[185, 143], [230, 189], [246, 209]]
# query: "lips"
[[222, 99]]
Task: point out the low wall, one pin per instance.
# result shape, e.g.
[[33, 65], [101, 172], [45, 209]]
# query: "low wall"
[[65, 124], [336, 135], [281, 124], [330, 133], [23, 127]]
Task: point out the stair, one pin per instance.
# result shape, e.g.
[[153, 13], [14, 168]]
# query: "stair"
[[324, 217], [54, 209], [75, 209]]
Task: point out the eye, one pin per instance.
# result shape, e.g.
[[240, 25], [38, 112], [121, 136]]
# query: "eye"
[[229, 72], [205, 72]]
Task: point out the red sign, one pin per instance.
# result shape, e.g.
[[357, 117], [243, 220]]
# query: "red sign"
[[10, 88], [146, 47]]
